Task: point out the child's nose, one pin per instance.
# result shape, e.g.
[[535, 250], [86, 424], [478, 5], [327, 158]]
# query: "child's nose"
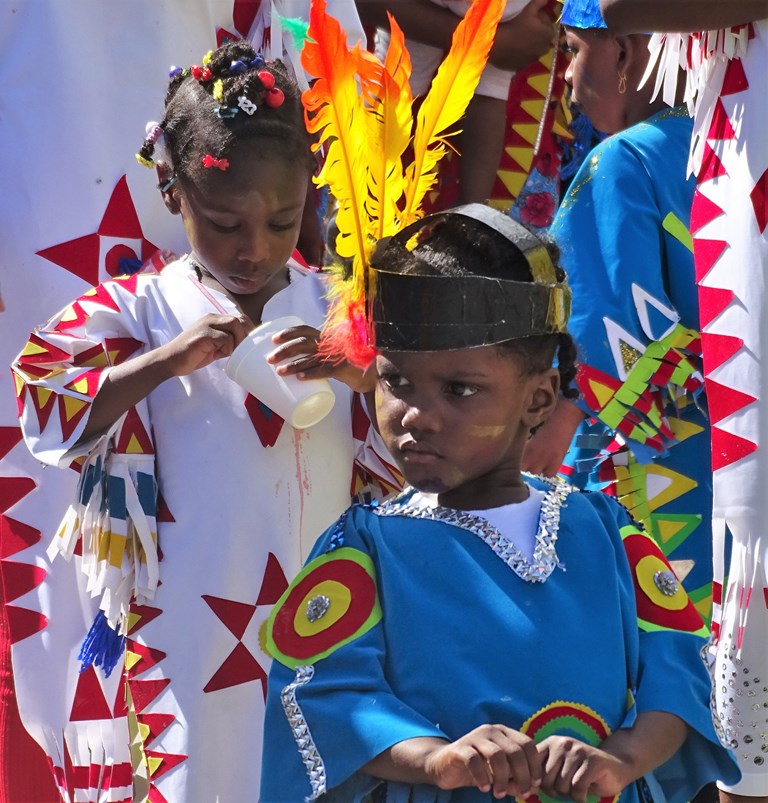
[[420, 418], [253, 246]]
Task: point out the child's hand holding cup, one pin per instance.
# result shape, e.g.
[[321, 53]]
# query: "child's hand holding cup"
[[301, 402]]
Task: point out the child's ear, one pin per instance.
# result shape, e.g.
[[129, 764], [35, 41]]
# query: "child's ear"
[[167, 187], [544, 391]]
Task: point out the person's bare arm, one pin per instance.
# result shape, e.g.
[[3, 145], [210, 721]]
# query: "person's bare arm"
[[211, 338], [517, 43], [628, 16]]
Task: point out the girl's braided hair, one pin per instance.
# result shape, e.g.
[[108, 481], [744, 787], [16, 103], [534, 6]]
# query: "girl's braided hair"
[[461, 246], [235, 96]]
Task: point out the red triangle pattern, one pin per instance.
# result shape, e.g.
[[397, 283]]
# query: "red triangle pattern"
[[163, 511], [759, 197], [705, 254], [132, 434], [68, 425], [149, 657], [120, 218], [728, 448], [75, 316], [89, 701], [154, 795], [724, 401], [712, 301], [120, 708], [47, 354], [20, 578], [267, 423], [156, 723], [735, 78], [79, 256], [721, 127], [169, 761], [236, 616], [120, 349], [23, 623], [711, 166], [145, 615], [586, 375], [718, 349], [144, 692], [703, 211], [99, 295], [15, 536], [239, 667], [13, 489], [9, 437], [129, 283], [273, 585]]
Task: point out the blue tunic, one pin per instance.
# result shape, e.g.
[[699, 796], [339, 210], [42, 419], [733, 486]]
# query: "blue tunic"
[[409, 622], [623, 234]]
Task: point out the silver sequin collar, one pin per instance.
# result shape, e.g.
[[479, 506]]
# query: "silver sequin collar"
[[535, 570]]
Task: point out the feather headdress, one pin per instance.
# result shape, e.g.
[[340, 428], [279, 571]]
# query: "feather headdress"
[[362, 111]]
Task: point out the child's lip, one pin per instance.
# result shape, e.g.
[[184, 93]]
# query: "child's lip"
[[418, 448]]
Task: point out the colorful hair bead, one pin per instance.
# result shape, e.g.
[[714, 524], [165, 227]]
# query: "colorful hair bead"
[[212, 161], [197, 71], [237, 66], [142, 160], [247, 105], [225, 112], [257, 62], [266, 78], [218, 90], [153, 132], [274, 98], [207, 58], [174, 71], [206, 74]]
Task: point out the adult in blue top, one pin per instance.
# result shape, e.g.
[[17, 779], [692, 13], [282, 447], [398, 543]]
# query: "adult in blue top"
[[641, 431]]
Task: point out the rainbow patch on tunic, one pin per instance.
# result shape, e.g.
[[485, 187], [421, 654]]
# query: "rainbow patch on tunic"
[[566, 719]]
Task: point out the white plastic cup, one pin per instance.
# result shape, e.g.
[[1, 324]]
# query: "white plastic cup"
[[300, 402]]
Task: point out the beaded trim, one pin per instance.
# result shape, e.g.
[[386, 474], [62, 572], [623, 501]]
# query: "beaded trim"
[[544, 560], [306, 744]]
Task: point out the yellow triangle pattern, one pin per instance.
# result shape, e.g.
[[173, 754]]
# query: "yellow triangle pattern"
[[684, 429], [523, 156], [513, 181], [528, 131], [131, 659], [154, 764], [32, 349], [678, 486], [19, 383], [73, 406], [603, 393], [669, 529], [134, 447], [534, 107], [541, 82], [70, 314]]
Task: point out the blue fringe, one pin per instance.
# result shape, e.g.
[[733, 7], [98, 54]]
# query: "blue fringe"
[[102, 647]]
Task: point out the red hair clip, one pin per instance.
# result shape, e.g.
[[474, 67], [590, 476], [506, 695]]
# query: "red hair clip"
[[212, 161]]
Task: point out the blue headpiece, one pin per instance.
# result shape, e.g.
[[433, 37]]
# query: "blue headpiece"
[[582, 14]]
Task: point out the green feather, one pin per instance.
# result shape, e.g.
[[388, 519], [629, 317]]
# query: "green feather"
[[297, 28]]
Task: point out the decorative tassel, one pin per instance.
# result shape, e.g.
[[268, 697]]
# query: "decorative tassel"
[[102, 647]]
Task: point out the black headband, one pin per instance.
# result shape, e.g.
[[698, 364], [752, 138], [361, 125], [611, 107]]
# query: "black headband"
[[413, 312]]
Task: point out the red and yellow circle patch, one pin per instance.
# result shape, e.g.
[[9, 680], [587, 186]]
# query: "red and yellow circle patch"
[[332, 601], [662, 603]]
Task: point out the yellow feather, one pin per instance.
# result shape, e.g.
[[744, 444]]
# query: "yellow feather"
[[448, 97]]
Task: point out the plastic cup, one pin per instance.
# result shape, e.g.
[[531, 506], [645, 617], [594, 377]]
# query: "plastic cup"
[[300, 402]]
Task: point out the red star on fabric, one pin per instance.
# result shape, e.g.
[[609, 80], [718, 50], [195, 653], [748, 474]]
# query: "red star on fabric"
[[240, 666], [117, 246]]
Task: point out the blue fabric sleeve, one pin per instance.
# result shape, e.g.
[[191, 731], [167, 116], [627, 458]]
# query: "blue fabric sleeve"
[[344, 711]]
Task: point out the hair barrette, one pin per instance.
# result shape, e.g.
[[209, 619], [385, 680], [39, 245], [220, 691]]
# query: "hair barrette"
[[247, 105], [212, 161]]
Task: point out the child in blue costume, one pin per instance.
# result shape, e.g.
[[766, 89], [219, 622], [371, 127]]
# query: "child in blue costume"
[[486, 634]]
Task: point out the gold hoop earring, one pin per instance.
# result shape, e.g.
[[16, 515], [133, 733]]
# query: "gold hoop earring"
[[622, 83]]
